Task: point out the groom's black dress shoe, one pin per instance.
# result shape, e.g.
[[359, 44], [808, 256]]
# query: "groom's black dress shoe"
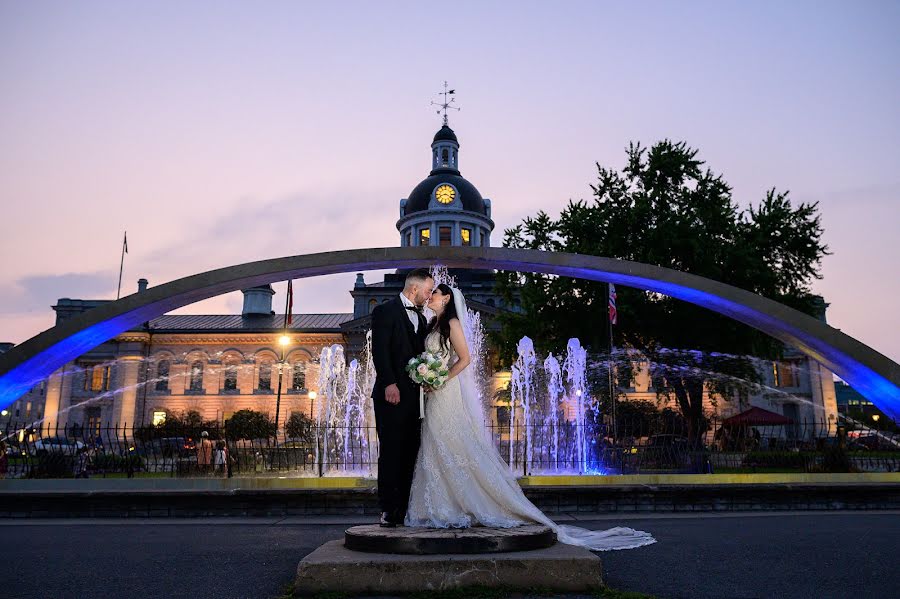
[[387, 520]]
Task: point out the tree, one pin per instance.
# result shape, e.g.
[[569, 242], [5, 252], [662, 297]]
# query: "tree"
[[299, 426], [249, 424], [665, 208]]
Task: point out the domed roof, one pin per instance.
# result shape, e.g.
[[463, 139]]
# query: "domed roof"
[[420, 197], [445, 133]]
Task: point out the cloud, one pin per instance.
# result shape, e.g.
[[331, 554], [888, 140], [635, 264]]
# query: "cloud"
[[38, 292]]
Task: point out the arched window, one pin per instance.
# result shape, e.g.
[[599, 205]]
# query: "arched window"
[[372, 304], [265, 376], [162, 375], [197, 376], [445, 157], [231, 375], [298, 380]]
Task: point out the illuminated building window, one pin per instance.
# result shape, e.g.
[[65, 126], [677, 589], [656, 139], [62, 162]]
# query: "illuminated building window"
[[92, 421], [465, 236], [372, 304], [196, 383], [424, 237], [96, 378], [162, 375], [265, 376], [159, 418], [28, 409]]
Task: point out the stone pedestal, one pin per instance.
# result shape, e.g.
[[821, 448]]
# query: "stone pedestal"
[[334, 568], [401, 560]]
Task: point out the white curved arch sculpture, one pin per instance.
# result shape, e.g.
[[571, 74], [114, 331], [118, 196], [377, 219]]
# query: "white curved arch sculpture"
[[869, 372]]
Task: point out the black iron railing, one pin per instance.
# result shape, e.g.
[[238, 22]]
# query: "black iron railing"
[[638, 446]]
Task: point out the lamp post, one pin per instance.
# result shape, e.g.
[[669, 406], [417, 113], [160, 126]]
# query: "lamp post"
[[312, 402], [283, 341]]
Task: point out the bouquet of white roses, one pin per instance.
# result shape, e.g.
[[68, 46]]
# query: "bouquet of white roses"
[[427, 369]]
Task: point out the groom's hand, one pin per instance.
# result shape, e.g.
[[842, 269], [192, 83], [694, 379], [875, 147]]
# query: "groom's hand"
[[392, 394]]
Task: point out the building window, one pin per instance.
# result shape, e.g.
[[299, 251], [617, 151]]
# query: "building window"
[[408, 239], [196, 376], [372, 304], [445, 157], [424, 237], [785, 374], [96, 378], [162, 375], [28, 409], [446, 236], [231, 376], [298, 381], [92, 422], [265, 376], [159, 417], [465, 236]]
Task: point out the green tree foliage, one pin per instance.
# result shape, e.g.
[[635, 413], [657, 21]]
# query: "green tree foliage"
[[299, 426], [665, 208], [249, 424]]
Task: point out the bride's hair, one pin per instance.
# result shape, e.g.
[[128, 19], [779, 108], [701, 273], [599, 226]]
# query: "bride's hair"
[[442, 322]]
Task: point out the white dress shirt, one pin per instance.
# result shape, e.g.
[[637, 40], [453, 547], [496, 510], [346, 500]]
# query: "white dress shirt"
[[413, 316]]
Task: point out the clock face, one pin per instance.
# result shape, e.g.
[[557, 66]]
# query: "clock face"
[[444, 194]]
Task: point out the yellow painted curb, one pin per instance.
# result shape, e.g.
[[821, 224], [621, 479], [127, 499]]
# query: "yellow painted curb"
[[709, 479]]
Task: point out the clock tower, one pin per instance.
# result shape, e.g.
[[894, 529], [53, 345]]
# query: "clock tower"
[[445, 209]]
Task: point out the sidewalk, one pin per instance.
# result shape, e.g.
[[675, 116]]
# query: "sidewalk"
[[237, 497]]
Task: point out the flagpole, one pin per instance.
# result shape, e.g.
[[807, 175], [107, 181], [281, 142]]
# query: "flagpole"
[[612, 394], [122, 264]]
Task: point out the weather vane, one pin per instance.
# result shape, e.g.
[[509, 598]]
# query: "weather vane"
[[446, 105]]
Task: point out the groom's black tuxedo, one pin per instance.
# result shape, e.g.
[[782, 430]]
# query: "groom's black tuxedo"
[[394, 342]]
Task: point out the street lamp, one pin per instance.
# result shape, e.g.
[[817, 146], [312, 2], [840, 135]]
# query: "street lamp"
[[312, 395], [876, 417], [283, 341]]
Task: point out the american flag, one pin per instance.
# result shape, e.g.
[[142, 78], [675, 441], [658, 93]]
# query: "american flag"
[[612, 304]]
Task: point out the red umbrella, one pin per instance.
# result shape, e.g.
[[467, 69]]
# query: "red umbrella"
[[757, 417]]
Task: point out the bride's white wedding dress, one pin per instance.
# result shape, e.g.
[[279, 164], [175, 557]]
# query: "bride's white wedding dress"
[[460, 479]]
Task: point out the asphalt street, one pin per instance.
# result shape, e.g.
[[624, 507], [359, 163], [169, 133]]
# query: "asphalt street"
[[722, 556]]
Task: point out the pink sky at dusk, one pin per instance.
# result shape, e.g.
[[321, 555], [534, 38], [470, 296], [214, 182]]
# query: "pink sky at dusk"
[[223, 134]]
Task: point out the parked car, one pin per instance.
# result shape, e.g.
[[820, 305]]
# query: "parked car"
[[167, 447], [56, 445]]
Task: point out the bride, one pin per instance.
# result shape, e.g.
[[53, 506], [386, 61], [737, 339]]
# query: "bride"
[[460, 479]]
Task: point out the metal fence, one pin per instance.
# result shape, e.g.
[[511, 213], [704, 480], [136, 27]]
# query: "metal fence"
[[629, 447]]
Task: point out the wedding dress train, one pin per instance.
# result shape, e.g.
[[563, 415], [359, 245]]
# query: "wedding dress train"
[[460, 479]]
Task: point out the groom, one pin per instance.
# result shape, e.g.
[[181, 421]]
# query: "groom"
[[398, 334]]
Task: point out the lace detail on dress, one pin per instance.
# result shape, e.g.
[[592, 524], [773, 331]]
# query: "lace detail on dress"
[[461, 481]]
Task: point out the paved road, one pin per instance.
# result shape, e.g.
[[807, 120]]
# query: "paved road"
[[796, 555]]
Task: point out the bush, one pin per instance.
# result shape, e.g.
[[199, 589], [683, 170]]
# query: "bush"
[[249, 424], [111, 462], [52, 465], [778, 459]]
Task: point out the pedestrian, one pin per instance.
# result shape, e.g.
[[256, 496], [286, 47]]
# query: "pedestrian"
[[82, 459], [220, 458], [204, 453]]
